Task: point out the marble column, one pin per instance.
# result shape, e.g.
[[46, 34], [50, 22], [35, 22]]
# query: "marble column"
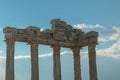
[[10, 60], [56, 61], [77, 65], [34, 62], [92, 62]]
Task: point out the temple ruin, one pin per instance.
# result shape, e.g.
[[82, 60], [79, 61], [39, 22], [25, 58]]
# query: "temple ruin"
[[60, 35]]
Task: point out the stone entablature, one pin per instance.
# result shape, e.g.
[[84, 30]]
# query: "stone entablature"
[[61, 32]]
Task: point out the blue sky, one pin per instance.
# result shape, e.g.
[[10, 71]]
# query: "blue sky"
[[99, 15]]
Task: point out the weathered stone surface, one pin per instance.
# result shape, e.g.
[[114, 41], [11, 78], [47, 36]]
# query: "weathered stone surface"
[[34, 62], [9, 30], [92, 62], [10, 60], [58, 25], [56, 62], [77, 65], [91, 34], [46, 34]]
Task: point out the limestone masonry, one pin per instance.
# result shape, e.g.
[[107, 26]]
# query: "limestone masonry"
[[60, 35]]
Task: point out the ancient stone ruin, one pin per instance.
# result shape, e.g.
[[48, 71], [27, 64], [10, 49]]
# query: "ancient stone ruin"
[[60, 35]]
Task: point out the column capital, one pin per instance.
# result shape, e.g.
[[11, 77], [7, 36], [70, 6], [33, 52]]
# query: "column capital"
[[33, 43], [93, 44], [10, 41], [56, 47], [56, 50], [76, 48]]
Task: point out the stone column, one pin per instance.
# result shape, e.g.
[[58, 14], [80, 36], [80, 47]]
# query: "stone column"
[[10, 60], [77, 66], [56, 61], [34, 62], [92, 62]]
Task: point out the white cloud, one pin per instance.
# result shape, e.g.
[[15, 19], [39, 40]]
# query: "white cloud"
[[41, 29], [2, 57], [40, 56], [113, 51], [82, 26], [115, 35], [22, 57], [51, 54]]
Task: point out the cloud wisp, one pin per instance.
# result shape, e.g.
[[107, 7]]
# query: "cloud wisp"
[[2, 57], [40, 56], [112, 51], [113, 35], [107, 52], [83, 26]]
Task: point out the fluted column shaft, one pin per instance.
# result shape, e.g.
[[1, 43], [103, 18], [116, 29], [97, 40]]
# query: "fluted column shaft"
[[77, 66], [34, 62], [10, 60], [56, 61], [92, 62]]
